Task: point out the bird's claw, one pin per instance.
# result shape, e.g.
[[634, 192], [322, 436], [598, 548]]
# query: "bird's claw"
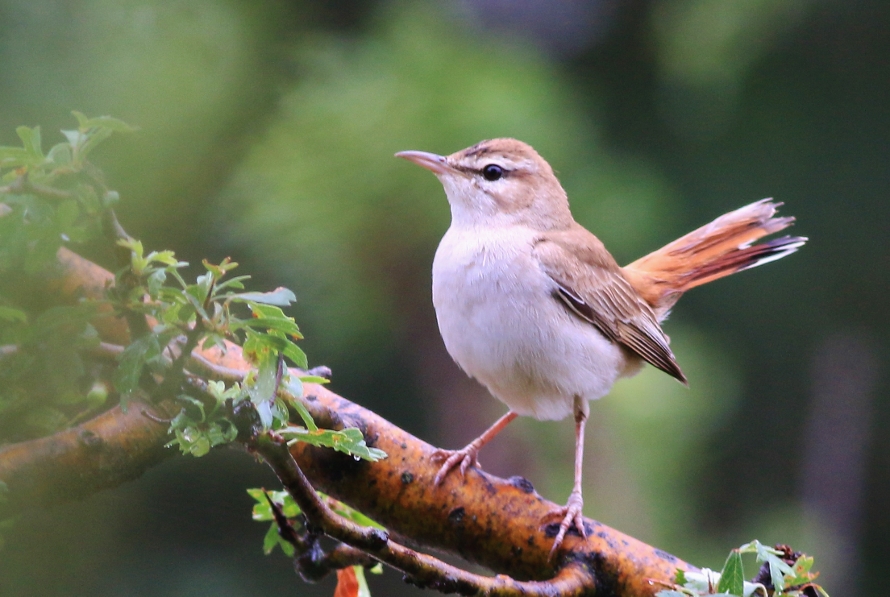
[[571, 516], [466, 457]]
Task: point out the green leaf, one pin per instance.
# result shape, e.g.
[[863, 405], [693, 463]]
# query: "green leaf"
[[286, 547], [200, 447], [280, 296], [680, 578], [10, 314], [351, 513], [295, 388], [287, 325], [305, 416], [132, 361], [271, 539], [732, 578], [290, 350], [314, 379], [92, 139], [262, 511], [236, 282], [60, 154], [97, 395], [363, 590], [114, 124], [263, 386], [13, 157], [260, 310], [349, 441], [31, 140], [778, 568]]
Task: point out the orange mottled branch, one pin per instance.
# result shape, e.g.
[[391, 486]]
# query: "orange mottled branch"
[[104, 452], [485, 519]]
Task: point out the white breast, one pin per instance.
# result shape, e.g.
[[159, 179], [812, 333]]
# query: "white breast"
[[503, 326]]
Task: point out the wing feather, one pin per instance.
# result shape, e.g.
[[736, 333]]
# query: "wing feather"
[[591, 285]]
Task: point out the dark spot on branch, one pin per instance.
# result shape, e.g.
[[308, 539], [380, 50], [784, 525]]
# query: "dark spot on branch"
[[605, 577], [377, 539], [456, 516], [522, 484], [608, 538], [407, 478], [310, 564], [664, 555], [90, 439]]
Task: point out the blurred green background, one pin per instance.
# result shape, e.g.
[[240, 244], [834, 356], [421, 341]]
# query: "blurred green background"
[[267, 134]]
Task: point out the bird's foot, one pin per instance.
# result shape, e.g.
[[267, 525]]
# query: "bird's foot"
[[571, 516], [465, 457]]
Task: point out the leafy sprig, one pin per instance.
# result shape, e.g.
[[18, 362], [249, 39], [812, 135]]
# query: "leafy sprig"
[[262, 512], [51, 199], [48, 200], [783, 574]]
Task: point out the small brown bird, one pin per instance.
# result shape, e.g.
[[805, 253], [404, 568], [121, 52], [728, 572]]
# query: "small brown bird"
[[533, 306]]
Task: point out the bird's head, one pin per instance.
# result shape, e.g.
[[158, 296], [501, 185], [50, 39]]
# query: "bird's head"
[[498, 182]]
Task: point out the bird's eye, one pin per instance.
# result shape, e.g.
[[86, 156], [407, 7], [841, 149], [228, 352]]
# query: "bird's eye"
[[492, 172]]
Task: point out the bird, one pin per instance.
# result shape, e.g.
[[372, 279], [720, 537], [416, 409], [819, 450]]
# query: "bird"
[[532, 305]]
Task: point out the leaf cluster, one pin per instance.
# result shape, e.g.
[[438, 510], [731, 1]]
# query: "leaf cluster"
[[782, 573], [57, 198], [287, 507], [262, 512], [48, 200]]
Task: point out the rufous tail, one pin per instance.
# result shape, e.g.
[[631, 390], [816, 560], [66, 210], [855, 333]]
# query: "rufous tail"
[[723, 247]]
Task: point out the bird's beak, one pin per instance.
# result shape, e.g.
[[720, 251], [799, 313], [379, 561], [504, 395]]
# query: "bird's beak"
[[432, 162]]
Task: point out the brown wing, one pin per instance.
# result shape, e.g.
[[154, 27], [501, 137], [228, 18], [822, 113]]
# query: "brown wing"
[[591, 285]]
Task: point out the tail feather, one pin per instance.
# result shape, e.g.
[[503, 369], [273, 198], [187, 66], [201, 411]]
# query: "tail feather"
[[723, 247]]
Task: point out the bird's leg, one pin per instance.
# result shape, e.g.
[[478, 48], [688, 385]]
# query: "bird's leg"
[[467, 456], [572, 511]]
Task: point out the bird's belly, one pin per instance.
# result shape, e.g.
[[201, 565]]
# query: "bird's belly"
[[501, 323]]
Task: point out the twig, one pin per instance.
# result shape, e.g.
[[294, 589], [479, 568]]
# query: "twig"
[[313, 563], [422, 570], [22, 185], [202, 365]]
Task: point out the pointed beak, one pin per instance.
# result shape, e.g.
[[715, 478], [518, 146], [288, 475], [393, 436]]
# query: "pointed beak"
[[432, 162]]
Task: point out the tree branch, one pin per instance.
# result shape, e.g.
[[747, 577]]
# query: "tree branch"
[[104, 452], [485, 519], [422, 570], [491, 521]]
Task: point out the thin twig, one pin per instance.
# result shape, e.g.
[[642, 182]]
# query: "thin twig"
[[107, 350], [421, 569], [201, 365], [22, 186], [312, 562]]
